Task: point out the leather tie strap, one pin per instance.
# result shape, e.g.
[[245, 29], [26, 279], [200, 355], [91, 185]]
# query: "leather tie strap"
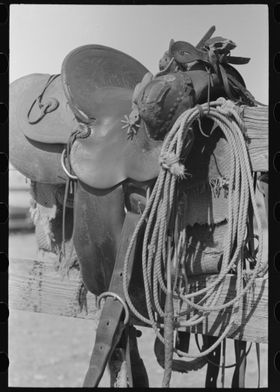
[[238, 379], [111, 325], [225, 81], [213, 363]]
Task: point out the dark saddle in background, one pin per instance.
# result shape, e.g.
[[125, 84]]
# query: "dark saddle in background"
[[35, 147]]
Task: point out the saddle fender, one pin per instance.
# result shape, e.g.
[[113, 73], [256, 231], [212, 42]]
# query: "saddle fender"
[[98, 221]]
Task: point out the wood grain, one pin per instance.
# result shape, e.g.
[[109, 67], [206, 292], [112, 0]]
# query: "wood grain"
[[35, 286], [256, 124]]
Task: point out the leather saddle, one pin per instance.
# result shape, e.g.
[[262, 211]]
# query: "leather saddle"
[[99, 83], [95, 88]]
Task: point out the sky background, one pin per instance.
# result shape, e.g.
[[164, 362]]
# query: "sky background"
[[42, 35]]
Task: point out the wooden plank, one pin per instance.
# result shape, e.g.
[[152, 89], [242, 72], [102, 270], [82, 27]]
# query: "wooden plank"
[[256, 124], [253, 314], [35, 285]]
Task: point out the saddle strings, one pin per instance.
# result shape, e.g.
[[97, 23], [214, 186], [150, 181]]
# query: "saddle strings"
[[156, 217]]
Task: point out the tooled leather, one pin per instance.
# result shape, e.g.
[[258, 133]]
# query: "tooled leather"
[[163, 100]]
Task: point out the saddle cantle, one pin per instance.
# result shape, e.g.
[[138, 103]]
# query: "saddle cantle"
[[97, 79], [99, 83]]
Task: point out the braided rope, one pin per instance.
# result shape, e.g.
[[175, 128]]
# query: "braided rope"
[[156, 216]]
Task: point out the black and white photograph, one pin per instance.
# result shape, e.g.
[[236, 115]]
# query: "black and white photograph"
[[138, 196]]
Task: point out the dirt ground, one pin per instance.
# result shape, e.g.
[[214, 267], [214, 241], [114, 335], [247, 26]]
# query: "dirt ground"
[[54, 351]]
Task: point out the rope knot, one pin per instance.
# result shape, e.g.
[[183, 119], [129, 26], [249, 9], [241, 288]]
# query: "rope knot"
[[200, 109], [170, 161], [226, 106]]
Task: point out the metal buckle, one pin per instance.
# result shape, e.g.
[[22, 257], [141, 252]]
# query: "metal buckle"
[[116, 296]]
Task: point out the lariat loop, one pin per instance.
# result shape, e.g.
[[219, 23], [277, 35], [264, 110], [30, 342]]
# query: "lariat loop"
[[159, 252], [239, 191]]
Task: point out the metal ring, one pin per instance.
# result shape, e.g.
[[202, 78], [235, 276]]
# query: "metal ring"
[[64, 167], [116, 296]]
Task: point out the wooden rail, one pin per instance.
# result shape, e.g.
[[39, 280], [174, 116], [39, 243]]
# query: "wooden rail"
[[256, 124], [35, 285]]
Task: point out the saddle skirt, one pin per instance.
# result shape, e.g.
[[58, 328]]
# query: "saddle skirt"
[[203, 205]]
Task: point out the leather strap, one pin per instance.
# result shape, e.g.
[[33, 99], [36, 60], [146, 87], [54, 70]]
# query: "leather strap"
[[236, 60], [213, 363], [238, 379], [263, 187], [258, 364], [139, 373], [120, 362], [225, 81], [128, 358], [182, 341], [205, 38], [111, 326]]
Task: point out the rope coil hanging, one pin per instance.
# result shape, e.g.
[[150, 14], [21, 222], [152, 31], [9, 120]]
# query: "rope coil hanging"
[[159, 237]]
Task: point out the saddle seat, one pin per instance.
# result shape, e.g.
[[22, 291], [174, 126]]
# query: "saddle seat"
[[108, 157], [95, 87]]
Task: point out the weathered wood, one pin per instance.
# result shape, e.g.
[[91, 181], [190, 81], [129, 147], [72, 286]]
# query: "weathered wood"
[[253, 314], [256, 124], [35, 285]]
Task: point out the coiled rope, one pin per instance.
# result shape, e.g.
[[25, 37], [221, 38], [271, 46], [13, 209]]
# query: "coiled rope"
[[160, 236]]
